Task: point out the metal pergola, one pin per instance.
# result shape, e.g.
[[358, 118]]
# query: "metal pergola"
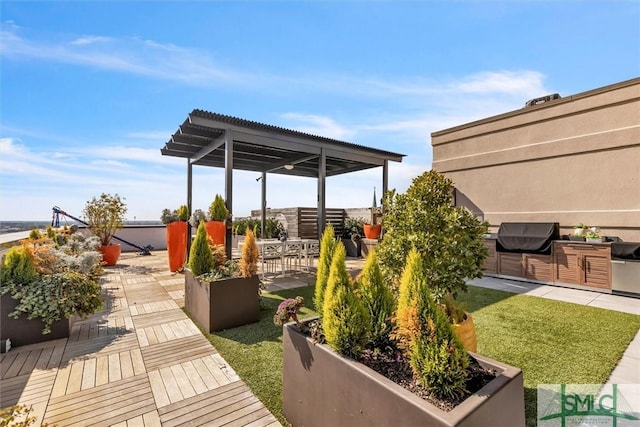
[[212, 139]]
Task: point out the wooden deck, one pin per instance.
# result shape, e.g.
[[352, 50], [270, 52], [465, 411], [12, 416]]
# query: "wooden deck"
[[139, 362]]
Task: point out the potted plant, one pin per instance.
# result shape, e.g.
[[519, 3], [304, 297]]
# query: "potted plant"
[[45, 285], [218, 217], [220, 293], [105, 216], [579, 231], [176, 225], [352, 232], [593, 236], [374, 345]]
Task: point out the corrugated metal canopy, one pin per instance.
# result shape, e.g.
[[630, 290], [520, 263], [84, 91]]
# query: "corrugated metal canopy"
[[265, 148]]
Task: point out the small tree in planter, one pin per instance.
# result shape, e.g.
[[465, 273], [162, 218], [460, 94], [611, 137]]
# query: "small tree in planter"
[[449, 238], [218, 215], [352, 232], [105, 216], [218, 293], [176, 224]]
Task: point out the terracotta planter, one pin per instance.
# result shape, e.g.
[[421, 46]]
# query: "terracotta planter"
[[176, 244], [110, 254], [23, 331], [217, 231], [224, 304], [322, 388], [372, 231], [466, 331]]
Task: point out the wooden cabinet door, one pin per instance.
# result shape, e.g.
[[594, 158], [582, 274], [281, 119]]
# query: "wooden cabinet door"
[[538, 267], [490, 265], [596, 268], [566, 264], [510, 264]]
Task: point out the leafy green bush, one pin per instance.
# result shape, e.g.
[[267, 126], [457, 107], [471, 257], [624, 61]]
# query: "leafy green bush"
[[327, 249], [344, 318], [379, 303], [105, 216], [52, 283], [449, 238], [200, 255], [352, 226]]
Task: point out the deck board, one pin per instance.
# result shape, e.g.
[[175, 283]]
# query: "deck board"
[[140, 361]]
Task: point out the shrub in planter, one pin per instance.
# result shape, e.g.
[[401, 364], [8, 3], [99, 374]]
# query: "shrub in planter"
[[176, 227], [379, 303], [449, 238], [327, 248], [345, 318], [49, 283], [219, 293], [250, 254]]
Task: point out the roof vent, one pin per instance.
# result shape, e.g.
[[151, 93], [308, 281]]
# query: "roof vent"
[[541, 100]]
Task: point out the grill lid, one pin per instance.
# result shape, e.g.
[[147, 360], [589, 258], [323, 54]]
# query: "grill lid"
[[625, 250], [527, 237]]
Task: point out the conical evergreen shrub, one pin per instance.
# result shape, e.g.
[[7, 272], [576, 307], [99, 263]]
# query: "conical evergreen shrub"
[[200, 256], [378, 301], [327, 248], [437, 358], [344, 319], [249, 259], [411, 281]]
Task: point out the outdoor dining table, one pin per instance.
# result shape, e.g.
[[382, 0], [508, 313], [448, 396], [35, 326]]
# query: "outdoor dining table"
[[292, 250]]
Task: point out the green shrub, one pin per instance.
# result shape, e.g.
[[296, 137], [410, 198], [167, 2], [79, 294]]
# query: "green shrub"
[[57, 296], [34, 234], [249, 259], [183, 213], [19, 267], [449, 238], [379, 303], [200, 256], [327, 249], [218, 210], [437, 358], [344, 319], [351, 226]]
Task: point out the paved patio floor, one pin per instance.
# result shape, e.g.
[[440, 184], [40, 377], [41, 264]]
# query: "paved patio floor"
[[142, 362]]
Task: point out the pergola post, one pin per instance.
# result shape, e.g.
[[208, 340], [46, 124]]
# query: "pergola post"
[[322, 174], [189, 203], [228, 184], [385, 178], [263, 206]]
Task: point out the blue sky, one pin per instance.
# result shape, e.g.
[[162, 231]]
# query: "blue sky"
[[90, 91]]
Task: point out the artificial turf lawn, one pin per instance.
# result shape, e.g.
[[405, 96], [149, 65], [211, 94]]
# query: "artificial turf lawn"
[[552, 342]]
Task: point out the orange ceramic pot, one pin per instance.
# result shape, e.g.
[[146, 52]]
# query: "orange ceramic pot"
[[176, 244], [217, 231], [466, 332], [372, 231], [110, 254]]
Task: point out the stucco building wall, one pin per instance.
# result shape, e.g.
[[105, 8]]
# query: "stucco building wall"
[[571, 160]]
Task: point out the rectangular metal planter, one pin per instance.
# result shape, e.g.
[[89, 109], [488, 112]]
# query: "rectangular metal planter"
[[353, 248], [226, 303], [23, 331], [322, 388]]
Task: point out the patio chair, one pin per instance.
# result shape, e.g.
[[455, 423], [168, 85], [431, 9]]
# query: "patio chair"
[[271, 257], [312, 250], [293, 253]]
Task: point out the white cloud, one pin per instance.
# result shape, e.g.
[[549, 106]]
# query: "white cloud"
[[86, 40], [318, 125]]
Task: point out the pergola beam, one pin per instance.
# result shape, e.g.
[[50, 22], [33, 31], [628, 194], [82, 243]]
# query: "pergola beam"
[[210, 148]]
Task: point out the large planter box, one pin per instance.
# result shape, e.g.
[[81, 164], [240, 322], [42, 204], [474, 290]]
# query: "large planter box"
[[23, 331], [224, 304], [322, 388]]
